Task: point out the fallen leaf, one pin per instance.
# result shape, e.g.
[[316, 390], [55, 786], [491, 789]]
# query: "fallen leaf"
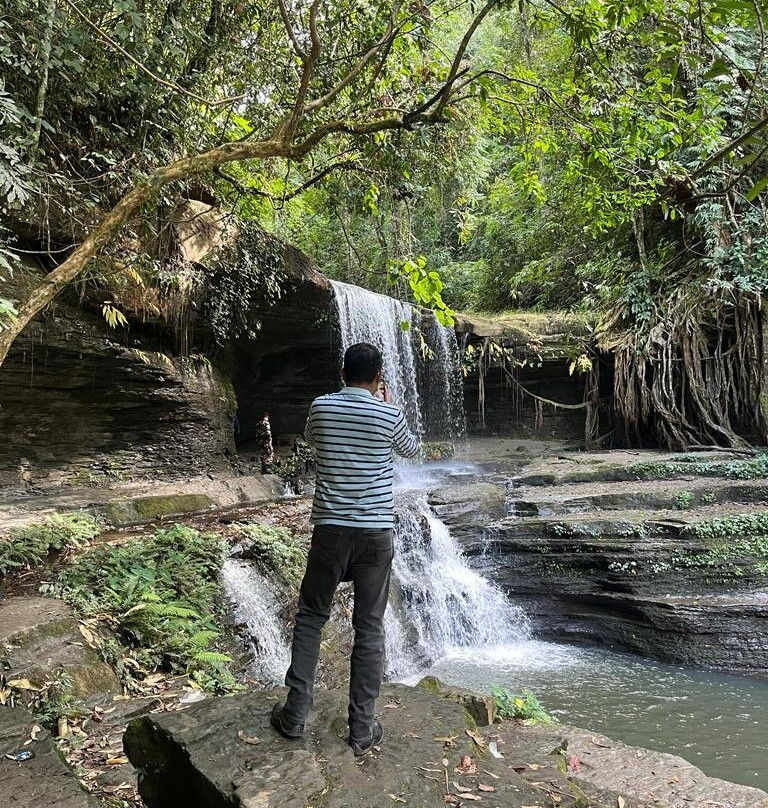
[[491, 774], [88, 636], [574, 763], [21, 684], [451, 799], [476, 737], [484, 787], [461, 788], [596, 742], [252, 740], [117, 761], [473, 797], [36, 732], [534, 766], [674, 779], [395, 798], [621, 802], [445, 762]]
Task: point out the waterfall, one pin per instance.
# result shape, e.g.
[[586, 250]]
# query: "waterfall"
[[443, 401], [439, 604], [421, 366], [258, 608], [369, 317]]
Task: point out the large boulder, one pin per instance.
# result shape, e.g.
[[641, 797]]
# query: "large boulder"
[[222, 753]]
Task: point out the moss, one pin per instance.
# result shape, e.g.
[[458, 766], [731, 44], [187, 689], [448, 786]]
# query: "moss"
[[148, 508]]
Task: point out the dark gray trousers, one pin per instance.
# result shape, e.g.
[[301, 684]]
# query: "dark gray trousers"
[[363, 556]]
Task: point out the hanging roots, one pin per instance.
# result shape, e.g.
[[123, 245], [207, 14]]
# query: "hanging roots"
[[698, 376]]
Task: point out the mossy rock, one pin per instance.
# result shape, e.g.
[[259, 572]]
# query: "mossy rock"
[[42, 639], [146, 509], [479, 710]]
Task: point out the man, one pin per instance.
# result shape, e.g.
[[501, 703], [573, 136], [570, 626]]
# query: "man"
[[354, 434], [264, 438]]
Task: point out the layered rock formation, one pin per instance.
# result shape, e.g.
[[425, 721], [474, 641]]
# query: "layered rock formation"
[[620, 562]]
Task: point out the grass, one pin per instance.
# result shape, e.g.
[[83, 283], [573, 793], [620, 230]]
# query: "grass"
[[275, 549], [747, 469], [29, 546]]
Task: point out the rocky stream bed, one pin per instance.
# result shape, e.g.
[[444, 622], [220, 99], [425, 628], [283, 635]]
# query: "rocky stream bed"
[[594, 554]]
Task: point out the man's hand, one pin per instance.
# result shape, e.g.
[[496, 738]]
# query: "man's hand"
[[386, 397]]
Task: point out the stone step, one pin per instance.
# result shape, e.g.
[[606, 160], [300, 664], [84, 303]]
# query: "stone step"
[[40, 638], [43, 781], [616, 466], [656, 495]]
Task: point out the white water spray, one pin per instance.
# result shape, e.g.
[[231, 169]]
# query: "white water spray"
[[440, 605], [257, 607]]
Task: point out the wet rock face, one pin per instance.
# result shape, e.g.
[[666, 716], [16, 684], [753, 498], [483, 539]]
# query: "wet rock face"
[[222, 753], [42, 781], [595, 556], [39, 638], [78, 408]]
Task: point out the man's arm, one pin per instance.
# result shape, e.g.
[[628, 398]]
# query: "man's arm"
[[309, 429], [403, 440]]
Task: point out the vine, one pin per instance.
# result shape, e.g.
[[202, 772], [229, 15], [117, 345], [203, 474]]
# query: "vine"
[[248, 277]]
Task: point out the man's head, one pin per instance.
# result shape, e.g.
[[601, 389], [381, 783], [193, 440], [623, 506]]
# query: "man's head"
[[362, 365]]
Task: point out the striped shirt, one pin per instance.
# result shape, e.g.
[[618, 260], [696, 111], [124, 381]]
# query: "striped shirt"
[[354, 435]]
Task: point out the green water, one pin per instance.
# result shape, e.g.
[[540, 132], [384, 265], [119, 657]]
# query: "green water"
[[717, 722]]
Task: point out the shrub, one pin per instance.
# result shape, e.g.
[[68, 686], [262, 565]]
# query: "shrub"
[[526, 708], [683, 500], [275, 548], [28, 546], [160, 595]]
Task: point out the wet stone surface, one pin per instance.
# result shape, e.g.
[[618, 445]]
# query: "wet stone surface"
[[43, 781], [222, 753]]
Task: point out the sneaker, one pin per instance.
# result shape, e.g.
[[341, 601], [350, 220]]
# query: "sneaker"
[[362, 747], [285, 728]]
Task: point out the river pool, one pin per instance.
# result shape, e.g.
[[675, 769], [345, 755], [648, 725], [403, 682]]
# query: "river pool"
[[716, 721]]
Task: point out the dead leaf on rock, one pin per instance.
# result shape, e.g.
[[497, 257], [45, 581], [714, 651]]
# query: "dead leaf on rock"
[[473, 797], [460, 788], [117, 761], [484, 787], [574, 763], [596, 742], [621, 802], [534, 766], [88, 636], [21, 684], [445, 762], [491, 774], [252, 740], [395, 798], [476, 737], [451, 799]]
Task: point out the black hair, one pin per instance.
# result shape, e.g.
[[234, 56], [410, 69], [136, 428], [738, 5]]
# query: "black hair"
[[361, 363]]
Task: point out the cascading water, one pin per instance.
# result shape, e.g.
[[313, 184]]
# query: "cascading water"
[[440, 605], [422, 365], [257, 607], [443, 385], [368, 317]]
